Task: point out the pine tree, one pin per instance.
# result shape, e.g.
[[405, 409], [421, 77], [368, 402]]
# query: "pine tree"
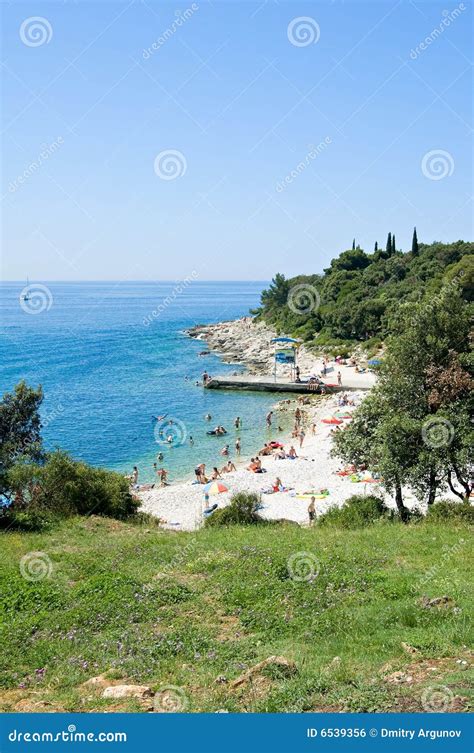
[[353, 244], [414, 244], [393, 244], [388, 247]]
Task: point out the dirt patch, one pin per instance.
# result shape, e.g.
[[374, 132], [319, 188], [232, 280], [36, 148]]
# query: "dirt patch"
[[420, 671], [228, 628]]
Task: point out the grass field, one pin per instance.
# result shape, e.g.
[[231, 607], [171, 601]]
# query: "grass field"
[[194, 611]]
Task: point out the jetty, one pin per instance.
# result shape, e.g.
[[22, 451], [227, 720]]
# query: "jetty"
[[268, 384]]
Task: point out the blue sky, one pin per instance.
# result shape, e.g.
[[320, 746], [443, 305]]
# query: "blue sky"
[[86, 112]]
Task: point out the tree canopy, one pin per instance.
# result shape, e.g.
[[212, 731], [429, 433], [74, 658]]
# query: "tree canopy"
[[359, 294], [415, 427]]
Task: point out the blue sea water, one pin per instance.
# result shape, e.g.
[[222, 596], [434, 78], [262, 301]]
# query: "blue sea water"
[[105, 372]]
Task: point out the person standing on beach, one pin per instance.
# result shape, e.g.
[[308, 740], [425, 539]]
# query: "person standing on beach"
[[237, 445], [200, 473], [134, 476], [339, 379], [297, 417], [301, 437], [312, 511], [269, 418]]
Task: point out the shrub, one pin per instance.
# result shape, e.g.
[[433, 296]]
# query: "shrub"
[[357, 512], [242, 511], [63, 487], [447, 509]]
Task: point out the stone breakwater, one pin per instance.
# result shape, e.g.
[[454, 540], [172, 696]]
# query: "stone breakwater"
[[244, 341]]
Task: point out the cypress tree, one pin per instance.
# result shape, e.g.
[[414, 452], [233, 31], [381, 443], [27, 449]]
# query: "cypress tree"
[[393, 244], [414, 244], [353, 244], [376, 247], [388, 247]]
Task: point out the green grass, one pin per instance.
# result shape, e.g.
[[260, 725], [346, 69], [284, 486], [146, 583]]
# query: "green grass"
[[158, 608]]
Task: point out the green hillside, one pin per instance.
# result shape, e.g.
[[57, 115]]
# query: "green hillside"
[[196, 611], [357, 296]]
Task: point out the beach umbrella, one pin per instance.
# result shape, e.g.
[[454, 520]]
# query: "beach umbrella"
[[215, 487], [332, 420]]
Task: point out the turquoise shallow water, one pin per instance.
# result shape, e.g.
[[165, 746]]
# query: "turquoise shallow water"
[[105, 373]]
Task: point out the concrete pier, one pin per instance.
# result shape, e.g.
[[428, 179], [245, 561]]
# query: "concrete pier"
[[267, 384]]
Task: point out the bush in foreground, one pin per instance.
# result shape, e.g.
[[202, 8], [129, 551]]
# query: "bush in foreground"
[[63, 487], [357, 512], [242, 511], [447, 509]]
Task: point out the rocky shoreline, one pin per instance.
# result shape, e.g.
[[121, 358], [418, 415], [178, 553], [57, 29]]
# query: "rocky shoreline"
[[244, 341]]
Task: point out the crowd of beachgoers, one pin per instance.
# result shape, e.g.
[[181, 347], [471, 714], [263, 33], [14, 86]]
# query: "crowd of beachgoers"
[[293, 472]]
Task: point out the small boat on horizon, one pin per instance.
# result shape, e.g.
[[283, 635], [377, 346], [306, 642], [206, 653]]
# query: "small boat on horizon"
[[25, 296]]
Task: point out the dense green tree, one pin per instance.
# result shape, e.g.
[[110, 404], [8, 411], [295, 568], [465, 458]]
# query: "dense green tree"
[[20, 426], [414, 243], [415, 428]]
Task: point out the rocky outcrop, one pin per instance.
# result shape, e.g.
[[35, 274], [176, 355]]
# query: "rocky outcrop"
[[246, 342]]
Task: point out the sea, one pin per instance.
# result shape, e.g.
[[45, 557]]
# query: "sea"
[[113, 356]]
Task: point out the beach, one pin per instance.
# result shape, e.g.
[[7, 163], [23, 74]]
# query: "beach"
[[180, 505]]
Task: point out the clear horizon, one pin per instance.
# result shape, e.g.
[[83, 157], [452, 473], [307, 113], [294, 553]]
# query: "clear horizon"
[[234, 139]]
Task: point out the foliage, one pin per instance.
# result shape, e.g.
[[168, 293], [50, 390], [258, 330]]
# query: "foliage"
[[19, 429], [446, 509], [358, 511], [361, 293], [61, 487], [242, 510], [415, 428]]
